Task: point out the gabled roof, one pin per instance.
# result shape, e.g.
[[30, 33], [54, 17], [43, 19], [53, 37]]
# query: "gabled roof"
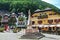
[[48, 9], [38, 10], [6, 15]]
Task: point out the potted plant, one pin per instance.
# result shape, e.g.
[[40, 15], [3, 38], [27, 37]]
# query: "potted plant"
[[2, 29], [19, 29], [15, 30], [21, 18]]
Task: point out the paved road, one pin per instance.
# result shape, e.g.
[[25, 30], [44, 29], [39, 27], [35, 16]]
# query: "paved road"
[[51, 37], [16, 36], [8, 36]]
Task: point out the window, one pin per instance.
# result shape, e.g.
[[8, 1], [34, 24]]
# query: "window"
[[39, 28], [49, 28], [58, 28], [46, 16], [38, 17], [40, 14], [59, 20], [40, 22], [56, 20], [50, 21], [50, 14], [33, 22], [32, 16], [20, 23], [33, 27], [53, 28], [54, 13], [5, 17]]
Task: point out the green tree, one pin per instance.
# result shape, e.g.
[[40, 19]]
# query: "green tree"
[[12, 21], [25, 5], [21, 18]]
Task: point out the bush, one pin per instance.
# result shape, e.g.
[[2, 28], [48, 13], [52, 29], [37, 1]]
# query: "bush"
[[21, 18], [58, 32], [15, 30], [2, 29], [19, 29]]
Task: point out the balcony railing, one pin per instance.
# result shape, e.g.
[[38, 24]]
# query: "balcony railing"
[[21, 26]]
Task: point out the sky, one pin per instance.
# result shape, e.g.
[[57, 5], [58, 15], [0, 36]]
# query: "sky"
[[54, 2]]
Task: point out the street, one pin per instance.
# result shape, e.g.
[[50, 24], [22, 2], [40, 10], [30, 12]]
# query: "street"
[[16, 36]]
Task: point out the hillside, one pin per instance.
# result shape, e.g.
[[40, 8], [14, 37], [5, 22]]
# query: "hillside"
[[24, 5]]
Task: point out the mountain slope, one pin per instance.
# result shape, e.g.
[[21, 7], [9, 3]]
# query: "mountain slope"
[[25, 5]]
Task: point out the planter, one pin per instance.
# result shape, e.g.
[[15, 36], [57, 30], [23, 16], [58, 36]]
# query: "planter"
[[19, 29], [15, 30], [2, 29], [21, 18], [58, 32]]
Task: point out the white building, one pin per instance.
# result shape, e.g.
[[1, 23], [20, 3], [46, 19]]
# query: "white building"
[[22, 22]]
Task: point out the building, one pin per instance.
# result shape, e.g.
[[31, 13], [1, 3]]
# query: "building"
[[5, 19], [0, 19], [45, 20], [22, 22], [12, 20]]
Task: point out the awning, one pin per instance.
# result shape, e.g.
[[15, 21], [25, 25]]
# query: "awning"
[[33, 25], [52, 25], [4, 20], [41, 25], [46, 25], [58, 25], [38, 25]]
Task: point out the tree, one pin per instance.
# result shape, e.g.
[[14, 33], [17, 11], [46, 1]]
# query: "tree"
[[24, 5], [21, 18], [12, 21]]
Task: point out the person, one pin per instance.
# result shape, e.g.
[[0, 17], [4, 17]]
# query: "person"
[[6, 27], [39, 29]]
